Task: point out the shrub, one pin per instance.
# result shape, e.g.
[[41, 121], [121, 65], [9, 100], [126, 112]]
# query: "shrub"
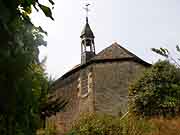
[[96, 124], [157, 92], [101, 124]]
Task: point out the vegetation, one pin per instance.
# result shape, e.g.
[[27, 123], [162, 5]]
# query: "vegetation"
[[101, 124], [168, 55], [166, 126], [157, 93], [23, 83], [97, 124], [153, 98]]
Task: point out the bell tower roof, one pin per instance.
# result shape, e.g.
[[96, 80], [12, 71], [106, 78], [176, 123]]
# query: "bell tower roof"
[[87, 41], [87, 32]]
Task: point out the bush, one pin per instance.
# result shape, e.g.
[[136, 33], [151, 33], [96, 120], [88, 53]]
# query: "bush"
[[96, 124], [157, 92], [101, 124]]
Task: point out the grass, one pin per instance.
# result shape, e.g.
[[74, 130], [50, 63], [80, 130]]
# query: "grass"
[[100, 124], [166, 126]]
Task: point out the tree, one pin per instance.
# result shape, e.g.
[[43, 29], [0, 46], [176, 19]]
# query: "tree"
[[12, 10], [23, 83], [157, 92]]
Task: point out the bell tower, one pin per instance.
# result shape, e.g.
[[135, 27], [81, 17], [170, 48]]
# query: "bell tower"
[[87, 41]]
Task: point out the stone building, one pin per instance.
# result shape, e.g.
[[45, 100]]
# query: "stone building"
[[99, 84]]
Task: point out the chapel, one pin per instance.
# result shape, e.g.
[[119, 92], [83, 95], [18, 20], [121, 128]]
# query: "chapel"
[[99, 84]]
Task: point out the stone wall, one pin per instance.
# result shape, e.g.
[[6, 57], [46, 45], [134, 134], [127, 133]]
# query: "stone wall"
[[86, 101], [99, 87], [112, 80], [67, 89], [76, 89]]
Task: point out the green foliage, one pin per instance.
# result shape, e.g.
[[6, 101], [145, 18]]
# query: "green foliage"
[[46, 10], [157, 92], [167, 54], [92, 124], [23, 83], [22, 8], [13, 10], [50, 131], [101, 124], [162, 51], [47, 131]]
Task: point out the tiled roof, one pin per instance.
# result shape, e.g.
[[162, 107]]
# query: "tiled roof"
[[115, 51]]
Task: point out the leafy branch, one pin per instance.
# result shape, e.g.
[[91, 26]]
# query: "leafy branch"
[[166, 53]]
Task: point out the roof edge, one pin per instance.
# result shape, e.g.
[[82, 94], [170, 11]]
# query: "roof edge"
[[93, 61]]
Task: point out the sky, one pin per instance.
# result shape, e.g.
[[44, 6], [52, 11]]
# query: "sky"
[[137, 25]]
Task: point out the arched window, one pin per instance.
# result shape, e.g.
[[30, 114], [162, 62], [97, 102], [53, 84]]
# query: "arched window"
[[85, 85]]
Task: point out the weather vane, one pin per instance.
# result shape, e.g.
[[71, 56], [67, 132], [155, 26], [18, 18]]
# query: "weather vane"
[[87, 9]]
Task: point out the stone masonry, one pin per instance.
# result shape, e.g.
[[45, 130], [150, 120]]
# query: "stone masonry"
[[100, 85]]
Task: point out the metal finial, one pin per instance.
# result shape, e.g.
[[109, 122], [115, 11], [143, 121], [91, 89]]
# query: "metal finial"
[[87, 11]]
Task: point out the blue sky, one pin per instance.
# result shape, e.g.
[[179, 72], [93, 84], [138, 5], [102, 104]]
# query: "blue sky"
[[137, 25]]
